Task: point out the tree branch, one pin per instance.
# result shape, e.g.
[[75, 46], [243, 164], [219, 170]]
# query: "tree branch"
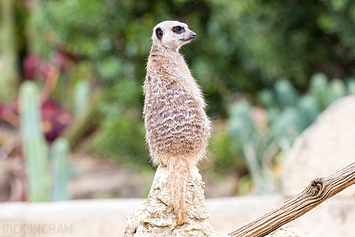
[[319, 190]]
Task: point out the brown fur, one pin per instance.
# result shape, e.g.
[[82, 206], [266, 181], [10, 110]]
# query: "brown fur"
[[174, 112]]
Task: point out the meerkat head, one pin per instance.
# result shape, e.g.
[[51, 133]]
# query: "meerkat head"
[[172, 34]]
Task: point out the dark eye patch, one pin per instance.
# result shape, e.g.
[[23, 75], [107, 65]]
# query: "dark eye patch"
[[178, 29]]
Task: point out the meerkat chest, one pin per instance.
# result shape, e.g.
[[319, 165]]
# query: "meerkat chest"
[[173, 94], [170, 91], [171, 77]]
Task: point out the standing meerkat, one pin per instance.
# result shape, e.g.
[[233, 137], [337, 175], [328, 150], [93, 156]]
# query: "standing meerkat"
[[174, 110]]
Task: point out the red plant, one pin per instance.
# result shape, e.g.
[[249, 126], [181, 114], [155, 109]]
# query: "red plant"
[[54, 117], [30, 67]]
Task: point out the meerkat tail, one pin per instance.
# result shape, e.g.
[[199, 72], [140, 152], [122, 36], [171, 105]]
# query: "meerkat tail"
[[179, 172]]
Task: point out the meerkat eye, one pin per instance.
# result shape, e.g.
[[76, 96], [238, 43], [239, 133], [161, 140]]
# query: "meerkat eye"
[[178, 29]]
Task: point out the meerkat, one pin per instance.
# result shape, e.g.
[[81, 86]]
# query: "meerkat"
[[177, 127]]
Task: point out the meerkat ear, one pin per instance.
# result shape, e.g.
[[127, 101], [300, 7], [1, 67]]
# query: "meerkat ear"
[[159, 33]]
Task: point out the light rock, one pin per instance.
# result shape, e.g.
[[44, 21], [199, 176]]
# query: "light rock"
[[325, 147], [108, 217], [81, 218], [289, 231], [229, 213], [155, 217]]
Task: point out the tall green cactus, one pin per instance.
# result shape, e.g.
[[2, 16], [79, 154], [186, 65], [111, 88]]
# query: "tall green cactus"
[[34, 145], [60, 169], [240, 123]]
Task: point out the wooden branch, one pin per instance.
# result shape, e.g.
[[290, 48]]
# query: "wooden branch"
[[319, 190]]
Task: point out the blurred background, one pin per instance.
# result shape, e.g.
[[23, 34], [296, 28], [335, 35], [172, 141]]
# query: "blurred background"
[[71, 75]]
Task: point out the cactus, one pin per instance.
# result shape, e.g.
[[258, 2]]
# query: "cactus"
[[35, 151], [286, 94], [336, 89], [240, 123], [285, 128], [267, 99], [34, 145], [287, 116], [308, 110], [351, 86], [250, 143], [81, 97], [318, 89], [60, 167]]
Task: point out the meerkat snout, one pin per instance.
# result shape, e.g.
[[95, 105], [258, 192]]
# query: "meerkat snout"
[[191, 37]]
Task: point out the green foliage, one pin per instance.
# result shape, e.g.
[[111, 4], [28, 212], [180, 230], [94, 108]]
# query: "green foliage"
[[60, 165], [9, 66], [241, 45], [34, 145], [287, 115], [124, 140], [122, 133], [110, 68], [223, 152]]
